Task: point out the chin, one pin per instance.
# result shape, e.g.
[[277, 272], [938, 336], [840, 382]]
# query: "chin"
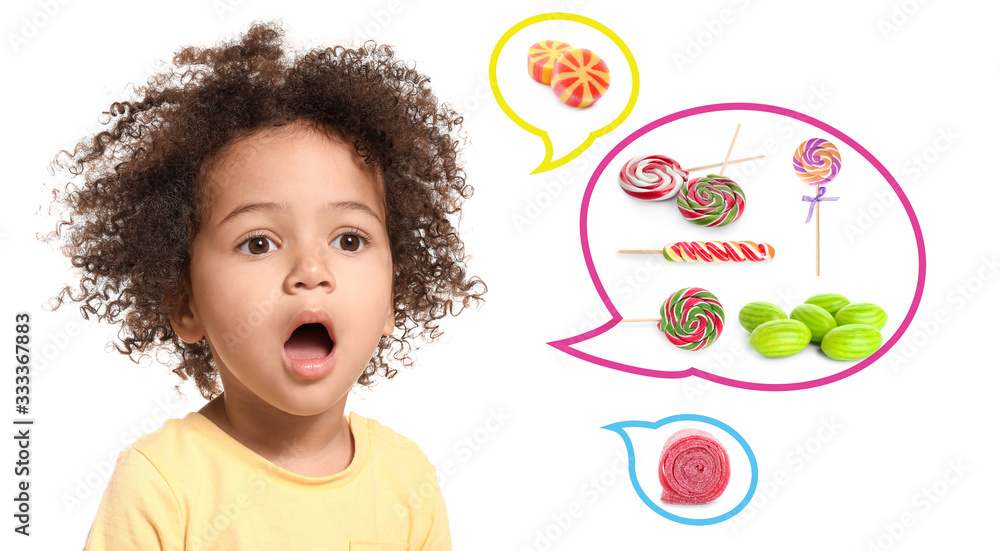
[[309, 401]]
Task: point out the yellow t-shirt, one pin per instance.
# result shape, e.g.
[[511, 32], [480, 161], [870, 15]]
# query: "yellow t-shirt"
[[191, 486]]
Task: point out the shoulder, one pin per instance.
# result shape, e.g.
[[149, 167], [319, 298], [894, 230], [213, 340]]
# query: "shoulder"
[[382, 435], [139, 508], [175, 439], [387, 445], [151, 458]]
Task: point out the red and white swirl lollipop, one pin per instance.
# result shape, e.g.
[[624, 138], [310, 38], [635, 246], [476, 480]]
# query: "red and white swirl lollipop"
[[652, 177], [658, 177]]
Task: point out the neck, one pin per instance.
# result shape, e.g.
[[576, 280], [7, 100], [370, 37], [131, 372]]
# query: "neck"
[[312, 445]]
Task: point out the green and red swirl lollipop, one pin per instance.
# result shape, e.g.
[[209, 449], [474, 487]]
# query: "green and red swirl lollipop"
[[713, 200], [691, 318]]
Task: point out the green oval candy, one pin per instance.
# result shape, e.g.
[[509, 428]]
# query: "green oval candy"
[[818, 320], [851, 342], [779, 338], [756, 313], [862, 312], [831, 302]]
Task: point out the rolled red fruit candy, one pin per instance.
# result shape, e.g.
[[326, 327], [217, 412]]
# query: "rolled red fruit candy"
[[694, 468]]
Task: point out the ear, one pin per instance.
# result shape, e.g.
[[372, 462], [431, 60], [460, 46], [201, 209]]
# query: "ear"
[[390, 322], [185, 321]]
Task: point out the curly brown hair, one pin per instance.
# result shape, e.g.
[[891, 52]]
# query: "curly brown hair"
[[133, 219]]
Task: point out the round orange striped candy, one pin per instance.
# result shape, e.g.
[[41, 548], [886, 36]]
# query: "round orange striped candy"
[[542, 57], [580, 78]]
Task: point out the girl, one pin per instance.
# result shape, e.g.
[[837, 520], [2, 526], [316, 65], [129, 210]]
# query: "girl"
[[282, 228]]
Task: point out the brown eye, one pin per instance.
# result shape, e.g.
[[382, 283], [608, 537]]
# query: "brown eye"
[[349, 242], [256, 246]]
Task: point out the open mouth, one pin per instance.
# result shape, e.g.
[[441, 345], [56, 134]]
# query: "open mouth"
[[309, 341]]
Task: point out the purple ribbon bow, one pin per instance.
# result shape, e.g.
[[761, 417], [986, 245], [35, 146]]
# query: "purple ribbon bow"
[[813, 200]]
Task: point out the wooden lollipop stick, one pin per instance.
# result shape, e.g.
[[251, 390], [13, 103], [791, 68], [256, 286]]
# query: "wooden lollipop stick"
[[647, 320], [733, 162], [731, 144], [640, 251], [817, 231]]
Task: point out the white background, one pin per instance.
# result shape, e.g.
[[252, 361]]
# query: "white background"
[[901, 455]]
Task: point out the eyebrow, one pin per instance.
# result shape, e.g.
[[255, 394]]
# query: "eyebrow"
[[356, 206]]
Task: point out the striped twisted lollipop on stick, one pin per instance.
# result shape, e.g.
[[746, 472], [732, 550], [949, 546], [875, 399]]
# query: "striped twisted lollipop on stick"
[[816, 161], [711, 201], [652, 177], [718, 251], [691, 318], [711, 251]]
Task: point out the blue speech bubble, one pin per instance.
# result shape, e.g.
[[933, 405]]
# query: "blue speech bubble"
[[619, 428]]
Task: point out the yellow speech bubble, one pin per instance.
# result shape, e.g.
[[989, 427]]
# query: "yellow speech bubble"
[[548, 163]]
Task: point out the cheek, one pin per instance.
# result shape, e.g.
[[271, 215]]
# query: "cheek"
[[373, 289], [375, 285], [389, 283], [224, 293]]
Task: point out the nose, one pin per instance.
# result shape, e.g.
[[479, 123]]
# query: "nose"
[[310, 270]]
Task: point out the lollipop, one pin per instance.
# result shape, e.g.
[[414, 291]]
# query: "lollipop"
[[580, 77], [711, 201], [691, 318], [816, 161], [542, 57], [711, 251], [652, 178], [694, 468], [658, 177]]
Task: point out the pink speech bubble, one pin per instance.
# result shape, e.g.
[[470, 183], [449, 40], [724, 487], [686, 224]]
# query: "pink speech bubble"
[[566, 345]]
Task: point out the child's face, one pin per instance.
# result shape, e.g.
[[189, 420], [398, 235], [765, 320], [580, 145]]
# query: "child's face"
[[255, 271]]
